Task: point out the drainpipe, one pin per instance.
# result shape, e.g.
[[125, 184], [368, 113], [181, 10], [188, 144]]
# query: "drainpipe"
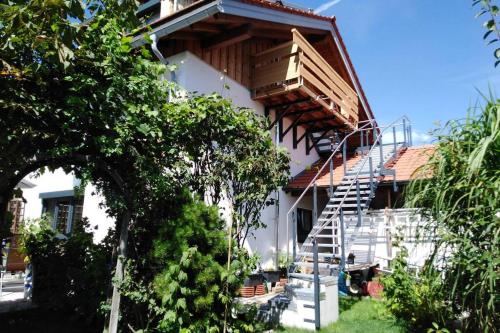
[[159, 55], [277, 208]]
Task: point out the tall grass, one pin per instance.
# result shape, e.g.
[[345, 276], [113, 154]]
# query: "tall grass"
[[463, 201]]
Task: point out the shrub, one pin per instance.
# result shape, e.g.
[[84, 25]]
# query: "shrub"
[[415, 300], [70, 274]]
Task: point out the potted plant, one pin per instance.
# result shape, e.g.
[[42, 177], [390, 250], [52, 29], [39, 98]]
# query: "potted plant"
[[284, 263]]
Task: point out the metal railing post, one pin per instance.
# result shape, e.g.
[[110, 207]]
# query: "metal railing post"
[[315, 204], [362, 140], [394, 139], [342, 241], [317, 319], [410, 138], [380, 144], [294, 233], [331, 178], [394, 182], [370, 161], [358, 201], [404, 132], [344, 157]]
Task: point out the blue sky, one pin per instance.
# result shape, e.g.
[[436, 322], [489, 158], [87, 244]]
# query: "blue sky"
[[422, 58]]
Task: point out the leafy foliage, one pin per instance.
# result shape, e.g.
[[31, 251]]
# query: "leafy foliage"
[[416, 300], [463, 203], [68, 273], [233, 158], [492, 25], [77, 95], [185, 284]]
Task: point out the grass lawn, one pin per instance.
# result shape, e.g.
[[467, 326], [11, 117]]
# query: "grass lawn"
[[366, 315]]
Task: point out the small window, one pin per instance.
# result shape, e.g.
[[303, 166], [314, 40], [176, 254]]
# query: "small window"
[[304, 224], [64, 212]]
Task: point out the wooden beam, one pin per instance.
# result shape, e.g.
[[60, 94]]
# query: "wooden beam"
[[297, 112], [279, 116], [184, 35], [318, 120], [293, 124], [227, 38], [297, 101], [264, 33], [205, 27]]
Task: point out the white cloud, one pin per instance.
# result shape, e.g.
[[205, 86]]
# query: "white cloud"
[[325, 6]]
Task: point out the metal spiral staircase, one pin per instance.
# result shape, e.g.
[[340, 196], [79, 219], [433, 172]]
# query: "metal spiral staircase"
[[337, 228]]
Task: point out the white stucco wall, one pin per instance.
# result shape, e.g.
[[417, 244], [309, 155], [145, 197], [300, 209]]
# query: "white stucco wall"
[[60, 181], [194, 75]]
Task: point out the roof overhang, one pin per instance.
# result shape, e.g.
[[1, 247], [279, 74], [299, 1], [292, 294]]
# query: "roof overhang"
[[204, 9]]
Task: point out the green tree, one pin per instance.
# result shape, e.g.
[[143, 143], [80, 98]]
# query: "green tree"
[[76, 95], [463, 202]]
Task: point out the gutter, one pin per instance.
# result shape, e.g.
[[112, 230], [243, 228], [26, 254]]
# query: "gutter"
[[180, 22]]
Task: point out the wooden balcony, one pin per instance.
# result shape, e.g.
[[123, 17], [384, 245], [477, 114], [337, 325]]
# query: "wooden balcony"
[[294, 71]]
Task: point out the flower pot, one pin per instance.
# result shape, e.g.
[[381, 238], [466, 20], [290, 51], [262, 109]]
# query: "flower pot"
[[260, 290], [247, 292]]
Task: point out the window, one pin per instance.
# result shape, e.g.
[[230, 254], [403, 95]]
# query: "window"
[[64, 212], [304, 224]]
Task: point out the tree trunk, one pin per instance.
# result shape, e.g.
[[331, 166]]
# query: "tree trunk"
[[119, 272]]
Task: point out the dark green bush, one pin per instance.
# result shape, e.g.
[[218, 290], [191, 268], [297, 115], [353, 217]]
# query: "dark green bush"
[[415, 300], [70, 275]]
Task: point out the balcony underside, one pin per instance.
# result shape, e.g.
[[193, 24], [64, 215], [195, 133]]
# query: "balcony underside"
[[294, 73]]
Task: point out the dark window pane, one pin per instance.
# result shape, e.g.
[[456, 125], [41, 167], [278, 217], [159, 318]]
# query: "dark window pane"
[[304, 224]]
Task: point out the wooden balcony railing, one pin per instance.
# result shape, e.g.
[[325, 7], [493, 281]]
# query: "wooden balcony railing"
[[296, 65]]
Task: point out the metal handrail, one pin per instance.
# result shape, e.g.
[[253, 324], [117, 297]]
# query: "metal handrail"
[[355, 178], [361, 129]]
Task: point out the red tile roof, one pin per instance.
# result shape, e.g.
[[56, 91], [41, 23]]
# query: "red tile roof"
[[407, 164], [305, 177], [289, 9]]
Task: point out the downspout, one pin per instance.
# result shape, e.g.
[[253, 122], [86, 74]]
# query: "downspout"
[[277, 208], [159, 55]]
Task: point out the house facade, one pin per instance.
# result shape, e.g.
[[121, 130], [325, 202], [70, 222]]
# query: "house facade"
[[292, 66]]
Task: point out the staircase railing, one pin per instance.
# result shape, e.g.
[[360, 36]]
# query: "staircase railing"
[[355, 180], [364, 127]]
